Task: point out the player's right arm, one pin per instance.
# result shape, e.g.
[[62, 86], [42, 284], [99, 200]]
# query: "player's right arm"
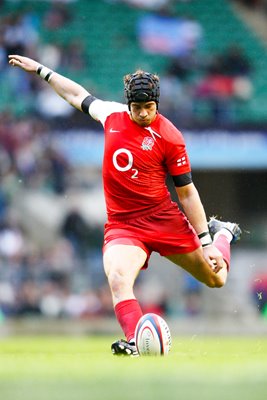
[[69, 90]]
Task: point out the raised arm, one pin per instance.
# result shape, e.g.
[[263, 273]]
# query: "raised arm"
[[69, 90]]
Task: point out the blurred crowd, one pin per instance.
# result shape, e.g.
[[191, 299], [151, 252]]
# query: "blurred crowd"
[[20, 34], [59, 280], [38, 279], [192, 81]]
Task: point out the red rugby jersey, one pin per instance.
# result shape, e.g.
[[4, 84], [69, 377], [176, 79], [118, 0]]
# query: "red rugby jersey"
[[137, 159]]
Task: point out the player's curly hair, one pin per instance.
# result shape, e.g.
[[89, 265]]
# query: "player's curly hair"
[[141, 86]]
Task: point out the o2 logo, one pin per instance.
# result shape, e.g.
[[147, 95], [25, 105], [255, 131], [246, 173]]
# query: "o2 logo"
[[128, 166]]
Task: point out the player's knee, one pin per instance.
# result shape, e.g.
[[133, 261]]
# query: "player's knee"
[[116, 282]]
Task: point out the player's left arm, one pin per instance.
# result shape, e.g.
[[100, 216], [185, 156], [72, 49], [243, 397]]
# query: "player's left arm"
[[193, 208]]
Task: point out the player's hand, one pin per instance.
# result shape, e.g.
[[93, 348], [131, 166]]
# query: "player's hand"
[[214, 258], [25, 63]]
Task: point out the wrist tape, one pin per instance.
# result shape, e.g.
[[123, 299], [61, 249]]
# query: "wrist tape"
[[205, 239], [44, 72]]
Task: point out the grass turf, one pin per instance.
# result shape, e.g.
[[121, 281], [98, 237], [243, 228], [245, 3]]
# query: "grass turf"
[[63, 368]]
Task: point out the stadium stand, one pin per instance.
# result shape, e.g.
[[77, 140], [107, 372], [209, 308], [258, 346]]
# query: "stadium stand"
[[107, 32]]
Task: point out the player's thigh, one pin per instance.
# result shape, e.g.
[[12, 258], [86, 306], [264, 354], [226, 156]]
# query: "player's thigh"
[[125, 260], [194, 263]]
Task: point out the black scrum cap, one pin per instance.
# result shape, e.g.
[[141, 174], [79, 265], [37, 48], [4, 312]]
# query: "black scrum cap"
[[142, 86]]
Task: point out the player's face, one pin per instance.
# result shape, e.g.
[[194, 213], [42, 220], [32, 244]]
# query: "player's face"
[[143, 113]]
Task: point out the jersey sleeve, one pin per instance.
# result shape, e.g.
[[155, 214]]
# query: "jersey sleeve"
[[177, 159], [100, 110]]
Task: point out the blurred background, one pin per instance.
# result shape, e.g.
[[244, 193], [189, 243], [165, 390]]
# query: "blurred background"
[[212, 60]]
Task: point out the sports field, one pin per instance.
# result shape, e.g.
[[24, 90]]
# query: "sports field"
[[63, 368]]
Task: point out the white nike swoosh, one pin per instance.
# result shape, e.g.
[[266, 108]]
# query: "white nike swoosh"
[[113, 130]]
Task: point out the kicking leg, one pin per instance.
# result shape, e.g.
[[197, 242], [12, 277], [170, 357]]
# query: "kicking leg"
[[197, 266], [224, 234]]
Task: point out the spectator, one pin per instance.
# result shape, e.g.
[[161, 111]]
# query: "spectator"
[[176, 99], [11, 239], [28, 299], [217, 90], [252, 4], [81, 235], [73, 56], [227, 79], [234, 62], [20, 31], [57, 16], [58, 170], [192, 292]]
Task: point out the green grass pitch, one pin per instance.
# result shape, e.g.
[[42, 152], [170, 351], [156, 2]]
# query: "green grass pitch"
[[83, 368]]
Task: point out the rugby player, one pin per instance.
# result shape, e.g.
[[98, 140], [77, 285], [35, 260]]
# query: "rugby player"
[[141, 147]]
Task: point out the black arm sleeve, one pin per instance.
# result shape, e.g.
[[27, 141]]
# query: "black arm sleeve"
[[182, 180], [86, 103]]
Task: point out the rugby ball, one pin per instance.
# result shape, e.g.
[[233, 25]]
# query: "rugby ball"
[[152, 336]]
